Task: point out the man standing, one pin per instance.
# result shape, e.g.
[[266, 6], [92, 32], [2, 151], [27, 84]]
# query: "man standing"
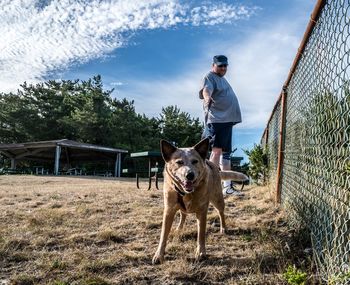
[[222, 112]]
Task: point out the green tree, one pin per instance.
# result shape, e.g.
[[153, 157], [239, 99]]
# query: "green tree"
[[179, 127], [91, 112], [84, 111], [11, 117]]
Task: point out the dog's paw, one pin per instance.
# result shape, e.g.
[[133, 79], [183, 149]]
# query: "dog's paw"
[[158, 259]]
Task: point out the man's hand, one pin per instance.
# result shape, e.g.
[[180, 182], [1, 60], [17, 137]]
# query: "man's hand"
[[207, 96]]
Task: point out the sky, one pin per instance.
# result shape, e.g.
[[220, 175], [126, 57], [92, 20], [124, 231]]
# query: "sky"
[[156, 52]]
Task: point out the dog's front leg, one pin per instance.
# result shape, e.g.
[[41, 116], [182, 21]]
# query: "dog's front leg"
[[202, 223], [168, 218], [182, 221]]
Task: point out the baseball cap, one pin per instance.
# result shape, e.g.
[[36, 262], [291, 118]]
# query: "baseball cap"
[[220, 60]]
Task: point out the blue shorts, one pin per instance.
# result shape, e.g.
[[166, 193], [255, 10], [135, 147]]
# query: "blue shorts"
[[221, 134]]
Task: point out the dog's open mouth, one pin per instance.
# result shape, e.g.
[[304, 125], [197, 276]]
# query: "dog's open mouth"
[[187, 186]]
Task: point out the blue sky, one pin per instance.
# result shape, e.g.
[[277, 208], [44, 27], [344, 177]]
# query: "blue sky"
[[155, 52]]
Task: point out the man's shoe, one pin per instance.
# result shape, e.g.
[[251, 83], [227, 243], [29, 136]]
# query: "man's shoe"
[[230, 190]]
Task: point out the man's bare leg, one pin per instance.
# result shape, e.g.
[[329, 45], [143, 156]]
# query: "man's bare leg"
[[215, 155]]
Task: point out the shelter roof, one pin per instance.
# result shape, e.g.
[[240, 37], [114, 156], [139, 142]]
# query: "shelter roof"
[[61, 142], [45, 150]]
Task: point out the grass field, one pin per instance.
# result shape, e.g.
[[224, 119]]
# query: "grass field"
[[59, 230]]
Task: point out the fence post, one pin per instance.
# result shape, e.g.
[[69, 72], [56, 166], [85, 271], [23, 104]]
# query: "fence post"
[[281, 144], [57, 159]]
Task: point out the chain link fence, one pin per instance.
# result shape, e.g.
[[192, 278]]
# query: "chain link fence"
[[270, 142], [315, 150]]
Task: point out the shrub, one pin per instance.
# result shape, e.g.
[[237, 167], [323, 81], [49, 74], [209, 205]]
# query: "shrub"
[[258, 168], [295, 276]]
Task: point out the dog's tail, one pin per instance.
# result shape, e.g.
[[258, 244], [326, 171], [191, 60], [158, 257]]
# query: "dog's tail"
[[233, 175]]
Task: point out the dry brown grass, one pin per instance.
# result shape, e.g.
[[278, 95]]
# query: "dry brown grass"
[[59, 230]]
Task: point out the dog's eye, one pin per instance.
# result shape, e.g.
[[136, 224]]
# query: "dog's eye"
[[195, 161], [179, 162]]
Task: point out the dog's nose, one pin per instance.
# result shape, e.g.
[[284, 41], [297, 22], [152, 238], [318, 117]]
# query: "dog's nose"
[[190, 176]]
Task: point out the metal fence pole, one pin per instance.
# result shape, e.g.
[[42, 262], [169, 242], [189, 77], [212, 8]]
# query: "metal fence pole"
[[267, 136], [281, 145]]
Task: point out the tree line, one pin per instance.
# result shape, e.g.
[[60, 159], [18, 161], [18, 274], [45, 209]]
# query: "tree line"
[[84, 111]]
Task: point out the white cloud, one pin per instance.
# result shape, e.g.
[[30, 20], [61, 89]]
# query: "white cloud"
[[38, 38], [117, 83]]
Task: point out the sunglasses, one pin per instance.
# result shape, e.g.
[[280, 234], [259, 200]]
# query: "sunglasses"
[[222, 65]]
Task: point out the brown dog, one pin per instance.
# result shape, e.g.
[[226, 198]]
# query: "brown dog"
[[190, 183]]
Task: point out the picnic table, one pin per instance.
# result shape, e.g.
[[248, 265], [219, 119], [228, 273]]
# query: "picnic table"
[[74, 171], [40, 170], [154, 160]]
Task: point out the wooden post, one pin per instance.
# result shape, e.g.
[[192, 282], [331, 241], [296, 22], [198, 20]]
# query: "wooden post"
[[281, 145], [57, 159]]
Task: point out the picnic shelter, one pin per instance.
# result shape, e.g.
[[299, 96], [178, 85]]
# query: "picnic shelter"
[[61, 154]]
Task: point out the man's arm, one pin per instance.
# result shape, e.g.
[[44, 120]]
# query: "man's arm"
[[207, 96]]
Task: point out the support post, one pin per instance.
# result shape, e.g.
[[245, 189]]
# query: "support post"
[[281, 145], [117, 165], [13, 163], [57, 159]]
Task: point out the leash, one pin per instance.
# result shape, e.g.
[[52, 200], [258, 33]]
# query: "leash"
[[210, 166], [241, 186]]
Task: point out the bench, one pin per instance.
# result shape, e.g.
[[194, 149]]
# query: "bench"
[[10, 171], [133, 171], [151, 173], [74, 171]]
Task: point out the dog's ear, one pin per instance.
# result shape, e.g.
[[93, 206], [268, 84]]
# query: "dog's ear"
[[167, 149], [202, 148]]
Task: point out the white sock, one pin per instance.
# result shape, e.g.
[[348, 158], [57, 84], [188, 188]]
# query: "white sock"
[[225, 164], [220, 163]]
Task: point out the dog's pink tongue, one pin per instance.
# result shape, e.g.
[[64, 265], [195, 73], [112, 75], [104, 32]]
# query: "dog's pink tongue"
[[188, 185]]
